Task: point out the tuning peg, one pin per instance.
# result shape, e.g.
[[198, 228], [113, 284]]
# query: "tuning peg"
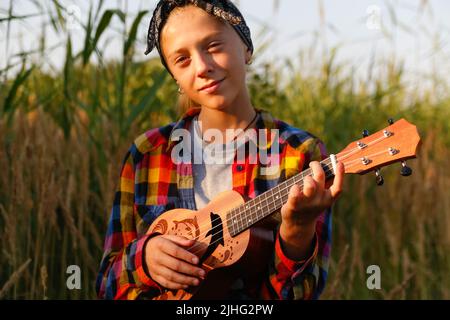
[[379, 178], [406, 171], [391, 121], [365, 133]]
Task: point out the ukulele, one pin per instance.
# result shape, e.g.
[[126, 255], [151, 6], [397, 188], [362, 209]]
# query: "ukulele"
[[234, 237]]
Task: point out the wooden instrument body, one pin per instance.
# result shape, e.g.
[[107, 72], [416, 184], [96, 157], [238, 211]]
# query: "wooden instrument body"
[[208, 226]]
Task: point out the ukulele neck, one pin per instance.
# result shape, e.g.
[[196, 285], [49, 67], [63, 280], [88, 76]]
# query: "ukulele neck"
[[246, 215]]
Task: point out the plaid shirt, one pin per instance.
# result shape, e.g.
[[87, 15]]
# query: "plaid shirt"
[[151, 183]]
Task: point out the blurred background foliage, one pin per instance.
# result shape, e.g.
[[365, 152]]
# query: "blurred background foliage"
[[63, 135]]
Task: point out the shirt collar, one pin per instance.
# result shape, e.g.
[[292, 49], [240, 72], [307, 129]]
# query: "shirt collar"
[[264, 121]]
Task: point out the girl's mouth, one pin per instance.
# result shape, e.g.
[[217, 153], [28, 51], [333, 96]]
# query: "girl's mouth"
[[212, 87]]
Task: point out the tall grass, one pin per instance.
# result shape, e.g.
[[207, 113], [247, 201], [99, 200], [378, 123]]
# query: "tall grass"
[[63, 135]]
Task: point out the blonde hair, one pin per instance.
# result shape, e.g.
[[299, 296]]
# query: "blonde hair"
[[185, 103]]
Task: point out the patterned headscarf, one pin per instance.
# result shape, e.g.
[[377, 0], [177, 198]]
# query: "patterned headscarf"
[[223, 9]]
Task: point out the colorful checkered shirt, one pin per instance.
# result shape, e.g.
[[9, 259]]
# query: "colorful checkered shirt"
[[151, 183]]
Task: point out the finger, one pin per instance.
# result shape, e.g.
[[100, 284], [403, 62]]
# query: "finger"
[[169, 284], [293, 198], [336, 187], [318, 173], [173, 248], [294, 194], [181, 266], [309, 187], [327, 200], [182, 241], [178, 278]]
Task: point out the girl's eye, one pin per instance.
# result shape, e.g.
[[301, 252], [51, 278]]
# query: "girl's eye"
[[215, 45], [180, 60]]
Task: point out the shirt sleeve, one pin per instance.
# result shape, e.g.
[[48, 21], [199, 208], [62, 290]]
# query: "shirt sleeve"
[[122, 273], [303, 280]]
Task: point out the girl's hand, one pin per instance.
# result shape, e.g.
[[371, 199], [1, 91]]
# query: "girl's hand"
[[170, 264], [303, 207]]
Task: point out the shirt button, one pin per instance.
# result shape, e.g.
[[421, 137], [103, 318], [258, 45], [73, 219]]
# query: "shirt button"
[[240, 167]]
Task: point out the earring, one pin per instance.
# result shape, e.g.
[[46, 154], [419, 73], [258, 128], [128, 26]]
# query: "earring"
[[180, 91]]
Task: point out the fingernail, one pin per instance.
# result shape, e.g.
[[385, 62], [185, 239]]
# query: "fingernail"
[[195, 260], [201, 273], [196, 282]]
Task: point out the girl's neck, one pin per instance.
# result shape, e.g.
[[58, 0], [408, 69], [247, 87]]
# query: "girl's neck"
[[238, 115], [229, 118]]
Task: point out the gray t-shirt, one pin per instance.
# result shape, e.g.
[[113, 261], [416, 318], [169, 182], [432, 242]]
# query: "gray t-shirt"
[[212, 173], [212, 167]]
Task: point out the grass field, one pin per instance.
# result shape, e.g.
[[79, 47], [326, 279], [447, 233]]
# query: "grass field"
[[63, 135]]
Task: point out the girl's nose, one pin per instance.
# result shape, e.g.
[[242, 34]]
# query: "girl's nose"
[[203, 65]]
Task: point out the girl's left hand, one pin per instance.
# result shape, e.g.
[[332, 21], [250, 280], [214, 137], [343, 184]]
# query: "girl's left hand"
[[303, 207]]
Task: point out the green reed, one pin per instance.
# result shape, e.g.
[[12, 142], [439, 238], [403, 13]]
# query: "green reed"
[[63, 135]]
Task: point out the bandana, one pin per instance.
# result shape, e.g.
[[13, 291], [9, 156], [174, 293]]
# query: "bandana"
[[223, 9]]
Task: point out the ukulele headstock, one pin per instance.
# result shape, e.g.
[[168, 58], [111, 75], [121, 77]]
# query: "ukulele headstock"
[[395, 143]]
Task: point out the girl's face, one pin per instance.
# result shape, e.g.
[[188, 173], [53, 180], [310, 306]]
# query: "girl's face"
[[206, 57]]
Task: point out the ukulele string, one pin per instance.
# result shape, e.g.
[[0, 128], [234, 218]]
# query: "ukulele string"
[[340, 156], [345, 154], [351, 163], [251, 203], [221, 238], [251, 206]]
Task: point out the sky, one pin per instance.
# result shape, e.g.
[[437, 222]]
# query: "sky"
[[416, 31]]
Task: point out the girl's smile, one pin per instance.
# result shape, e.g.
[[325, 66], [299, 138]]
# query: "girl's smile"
[[212, 87]]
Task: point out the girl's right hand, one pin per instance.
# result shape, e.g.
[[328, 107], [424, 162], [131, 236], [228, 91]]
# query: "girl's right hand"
[[170, 264]]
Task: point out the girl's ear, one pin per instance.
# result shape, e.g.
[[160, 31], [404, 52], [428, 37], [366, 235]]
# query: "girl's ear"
[[248, 56]]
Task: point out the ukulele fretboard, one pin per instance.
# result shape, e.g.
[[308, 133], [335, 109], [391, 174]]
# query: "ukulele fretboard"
[[244, 216]]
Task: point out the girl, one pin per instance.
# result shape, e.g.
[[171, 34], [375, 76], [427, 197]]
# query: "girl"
[[206, 45]]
